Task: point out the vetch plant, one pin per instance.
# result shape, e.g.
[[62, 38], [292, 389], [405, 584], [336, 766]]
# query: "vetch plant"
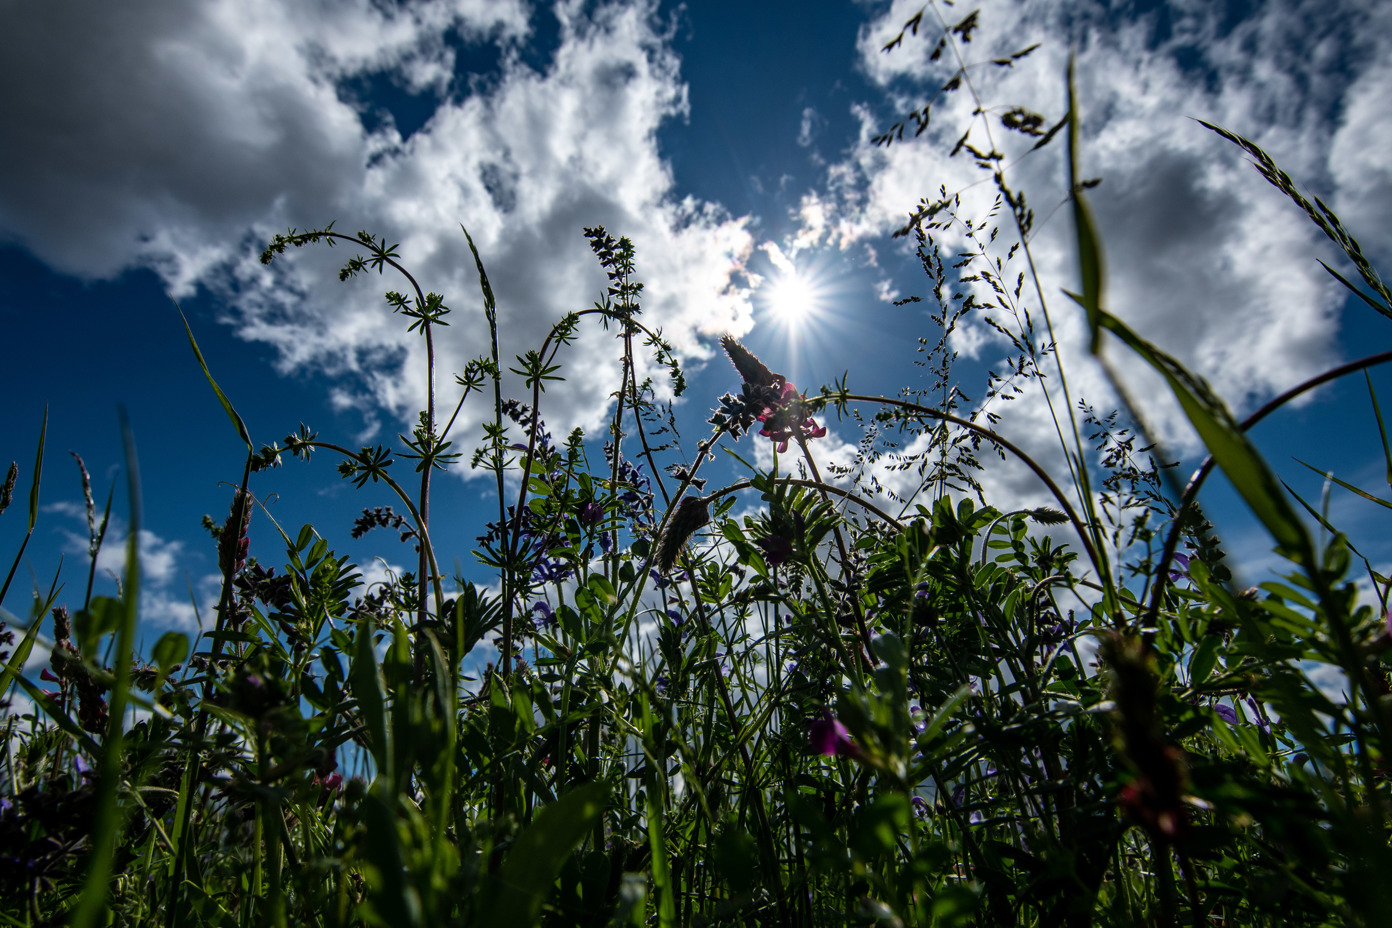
[[845, 705]]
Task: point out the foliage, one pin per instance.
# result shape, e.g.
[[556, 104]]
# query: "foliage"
[[845, 707]]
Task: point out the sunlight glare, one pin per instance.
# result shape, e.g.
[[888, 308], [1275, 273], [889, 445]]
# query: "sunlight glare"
[[791, 299]]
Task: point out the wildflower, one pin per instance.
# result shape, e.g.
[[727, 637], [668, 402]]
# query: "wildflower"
[[1262, 722], [920, 806], [919, 717], [1226, 713], [784, 419], [590, 513], [233, 543], [1182, 561], [829, 737], [545, 618]]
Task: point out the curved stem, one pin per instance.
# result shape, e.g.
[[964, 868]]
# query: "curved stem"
[[422, 530], [1058, 494]]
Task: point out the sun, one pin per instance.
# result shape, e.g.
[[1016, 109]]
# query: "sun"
[[791, 299]]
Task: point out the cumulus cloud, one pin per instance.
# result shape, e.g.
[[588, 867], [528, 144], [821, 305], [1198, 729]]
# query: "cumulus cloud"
[[181, 137], [1204, 257], [167, 600]]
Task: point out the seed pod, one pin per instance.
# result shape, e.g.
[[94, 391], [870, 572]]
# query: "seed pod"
[[692, 513], [750, 368]]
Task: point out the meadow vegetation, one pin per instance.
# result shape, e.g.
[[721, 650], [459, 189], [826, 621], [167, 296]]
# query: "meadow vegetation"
[[848, 707]]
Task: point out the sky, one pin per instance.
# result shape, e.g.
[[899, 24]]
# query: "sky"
[[152, 148]]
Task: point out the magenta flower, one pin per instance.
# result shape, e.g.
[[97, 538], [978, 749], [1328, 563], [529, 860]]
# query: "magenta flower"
[[830, 737], [781, 420]]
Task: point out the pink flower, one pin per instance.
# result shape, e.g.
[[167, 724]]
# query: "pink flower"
[[830, 737], [781, 420]]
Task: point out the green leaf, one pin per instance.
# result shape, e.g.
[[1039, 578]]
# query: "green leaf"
[[737, 858], [939, 718], [171, 649], [536, 857], [1204, 659], [879, 826], [1228, 445], [366, 681], [100, 618], [602, 589], [222, 397]]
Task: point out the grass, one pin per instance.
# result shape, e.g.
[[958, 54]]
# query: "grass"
[[841, 709]]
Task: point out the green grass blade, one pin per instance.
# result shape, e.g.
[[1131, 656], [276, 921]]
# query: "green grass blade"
[[38, 473], [1358, 293], [489, 303], [1090, 267], [107, 819], [657, 841], [1347, 486], [15, 665], [366, 681], [222, 397], [537, 855], [1230, 448], [33, 506], [58, 716], [1382, 429]]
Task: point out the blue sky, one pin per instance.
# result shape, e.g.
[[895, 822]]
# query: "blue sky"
[[154, 147]]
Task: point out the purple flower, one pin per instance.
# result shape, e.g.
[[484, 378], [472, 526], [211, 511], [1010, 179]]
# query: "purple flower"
[[830, 737], [1183, 561], [920, 806], [591, 513], [1227, 714], [776, 548], [783, 420], [545, 618], [1260, 714]]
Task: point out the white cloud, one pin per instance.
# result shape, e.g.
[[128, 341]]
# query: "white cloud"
[[1360, 162], [810, 127], [1204, 256], [165, 599], [224, 123]]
